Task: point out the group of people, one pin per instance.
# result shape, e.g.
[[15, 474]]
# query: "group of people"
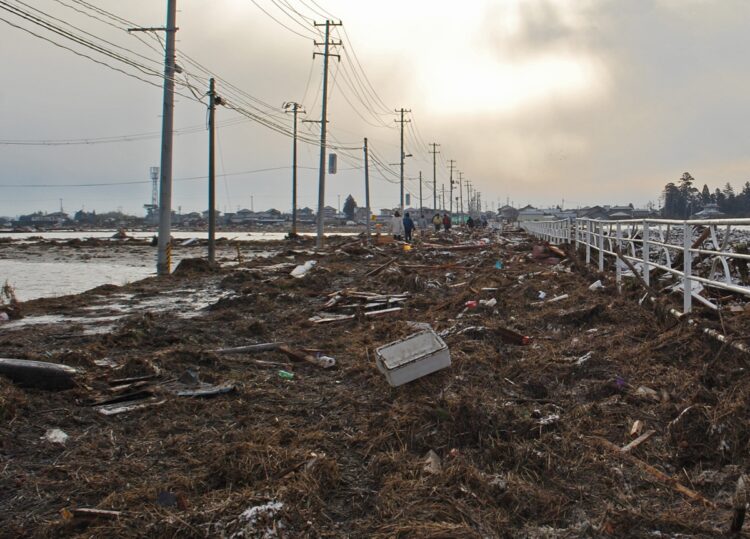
[[402, 228]]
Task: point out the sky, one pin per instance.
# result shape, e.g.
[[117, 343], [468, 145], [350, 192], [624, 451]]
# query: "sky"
[[547, 102]]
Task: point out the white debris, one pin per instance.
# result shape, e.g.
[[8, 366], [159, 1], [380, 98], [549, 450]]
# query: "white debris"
[[55, 436], [488, 302], [302, 270], [596, 286], [259, 521]]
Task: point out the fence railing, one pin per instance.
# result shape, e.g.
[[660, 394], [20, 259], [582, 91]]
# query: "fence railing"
[[696, 254]]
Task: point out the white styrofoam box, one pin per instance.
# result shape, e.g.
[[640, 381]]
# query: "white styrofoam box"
[[413, 357]]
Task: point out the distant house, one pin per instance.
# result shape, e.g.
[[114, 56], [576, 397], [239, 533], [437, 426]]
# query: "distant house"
[[529, 213], [508, 213], [43, 220], [306, 215], [592, 212], [710, 211], [361, 215]]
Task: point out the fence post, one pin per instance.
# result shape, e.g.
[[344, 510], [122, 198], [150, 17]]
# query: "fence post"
[[687, 283], [589, 238], [601, 246], [646, 253]]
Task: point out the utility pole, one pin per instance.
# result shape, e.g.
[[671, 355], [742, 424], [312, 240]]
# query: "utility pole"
[[164, 260], [295, 109], [323, 123], [461, 195], [468, 196], [403, 155], [434, 153], [451, 164], [213, 100], [367, 189], [442, 198], [420, 193]]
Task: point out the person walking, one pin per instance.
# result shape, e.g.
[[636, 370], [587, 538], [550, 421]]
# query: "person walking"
[[397, 226], [408, 227], [437, 222], [447, 223]]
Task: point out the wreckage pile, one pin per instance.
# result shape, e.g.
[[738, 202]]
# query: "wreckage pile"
[[566, 410]]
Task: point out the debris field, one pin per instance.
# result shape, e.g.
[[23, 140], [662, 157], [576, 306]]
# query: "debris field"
[[568, 410]]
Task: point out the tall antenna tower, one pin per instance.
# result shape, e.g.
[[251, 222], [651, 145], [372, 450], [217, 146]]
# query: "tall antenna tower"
[[152, 210]]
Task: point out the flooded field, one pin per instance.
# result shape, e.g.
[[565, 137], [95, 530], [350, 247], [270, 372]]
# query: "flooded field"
[[63, 263]]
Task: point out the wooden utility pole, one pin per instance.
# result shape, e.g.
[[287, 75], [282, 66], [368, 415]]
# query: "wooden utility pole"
[[461, 196], [212, 171], [164, 257], [434, 153], [451, 164], [295, 109], [420, 193], [367, 189], [323, 124], [402, 111]]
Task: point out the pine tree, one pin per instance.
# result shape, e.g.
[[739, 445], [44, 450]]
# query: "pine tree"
[[350, 205]]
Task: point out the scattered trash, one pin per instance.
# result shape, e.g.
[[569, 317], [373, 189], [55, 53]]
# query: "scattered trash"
[[302, 270], [509, 336], [647, 392], [38, 374], [499, 265], [432, 463], [4, 317], [549, 420], [584, 358], [55, 436], [558, 298], [88, 514], [419, 325], [541, 295], [206, 390], [286, 375], [129, 406], [471, 304], [488, 302], [597, 285], [415, 356], [637, 427], [318, 359], [260, 521]]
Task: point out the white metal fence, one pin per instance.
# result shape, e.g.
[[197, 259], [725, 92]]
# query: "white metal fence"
[[695, 254]]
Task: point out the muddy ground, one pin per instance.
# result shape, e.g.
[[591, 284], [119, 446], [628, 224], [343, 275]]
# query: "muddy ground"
[[519, 434]]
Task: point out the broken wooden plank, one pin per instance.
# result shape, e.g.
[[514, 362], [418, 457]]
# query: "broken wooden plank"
[[38, 374], [638, 441], [85, 513], [127, 397], [380, 268], [130, 380], [657, 474], [131, 406], [298, 355], [249, 349], [206, 390]]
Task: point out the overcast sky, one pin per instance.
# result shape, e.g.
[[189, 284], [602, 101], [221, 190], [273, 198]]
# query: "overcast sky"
[[538, 101]]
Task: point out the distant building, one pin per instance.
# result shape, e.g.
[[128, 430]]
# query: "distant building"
[[43, 220], [710, 211], [508, 214], [530, 213]]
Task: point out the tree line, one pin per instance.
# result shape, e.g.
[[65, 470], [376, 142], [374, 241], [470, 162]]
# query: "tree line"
[[683, 199]]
